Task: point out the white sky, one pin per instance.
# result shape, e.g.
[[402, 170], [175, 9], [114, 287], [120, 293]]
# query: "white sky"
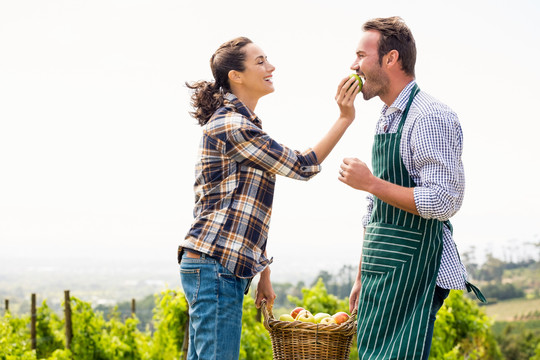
[[97, 148]]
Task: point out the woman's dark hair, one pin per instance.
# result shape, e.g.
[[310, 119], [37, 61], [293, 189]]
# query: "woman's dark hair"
[[207, 96], [395, 35]]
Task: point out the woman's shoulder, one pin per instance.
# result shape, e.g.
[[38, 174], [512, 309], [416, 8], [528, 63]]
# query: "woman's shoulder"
[[226, 119]]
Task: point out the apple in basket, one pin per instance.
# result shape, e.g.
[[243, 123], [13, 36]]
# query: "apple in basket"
[[340, 317], [305, 316], [320, 316], [328, 320], [286, 317], [295, 312]]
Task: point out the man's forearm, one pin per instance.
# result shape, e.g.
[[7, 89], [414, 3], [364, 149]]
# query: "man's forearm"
[[395, 195]]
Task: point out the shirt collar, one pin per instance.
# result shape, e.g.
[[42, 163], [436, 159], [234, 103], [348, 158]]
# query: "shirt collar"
[[401, 101], [233, 102]]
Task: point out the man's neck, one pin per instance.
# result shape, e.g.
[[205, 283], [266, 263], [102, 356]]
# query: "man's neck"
[[395, 88]]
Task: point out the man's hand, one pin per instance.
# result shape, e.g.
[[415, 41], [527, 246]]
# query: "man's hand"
[[354, 296], [356, 174], [264, 289]]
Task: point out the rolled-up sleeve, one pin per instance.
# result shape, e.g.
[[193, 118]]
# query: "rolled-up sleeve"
[[249, 145], [437, 146]]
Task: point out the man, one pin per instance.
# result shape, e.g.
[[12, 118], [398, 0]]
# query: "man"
[[409, 260]]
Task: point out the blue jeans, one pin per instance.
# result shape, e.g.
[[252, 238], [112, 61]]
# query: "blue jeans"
[[438, 300], [215, 297]]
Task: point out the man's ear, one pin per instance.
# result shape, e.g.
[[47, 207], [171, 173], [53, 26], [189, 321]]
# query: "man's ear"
[[391, 58], [235, 77]]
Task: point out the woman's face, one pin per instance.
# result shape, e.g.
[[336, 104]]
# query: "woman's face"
[[257, 76]]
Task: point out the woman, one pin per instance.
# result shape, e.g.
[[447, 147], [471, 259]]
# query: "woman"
[[234, 187]]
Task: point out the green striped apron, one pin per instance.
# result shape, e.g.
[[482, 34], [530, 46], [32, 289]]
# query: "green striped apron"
[[401, 256]]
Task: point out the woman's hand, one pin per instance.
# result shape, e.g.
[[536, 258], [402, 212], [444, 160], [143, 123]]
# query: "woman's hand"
[[345, 95], [264, 289]]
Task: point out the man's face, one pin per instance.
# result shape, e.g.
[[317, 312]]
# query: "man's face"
[[367, 66]]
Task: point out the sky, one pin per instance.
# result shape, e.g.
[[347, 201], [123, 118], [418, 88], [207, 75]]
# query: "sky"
[[97, 149]]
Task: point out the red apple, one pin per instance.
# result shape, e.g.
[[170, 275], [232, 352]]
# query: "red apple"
[[341, 317], [295, 312]]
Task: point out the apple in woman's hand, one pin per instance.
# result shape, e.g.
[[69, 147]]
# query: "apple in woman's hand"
[[360, 83]]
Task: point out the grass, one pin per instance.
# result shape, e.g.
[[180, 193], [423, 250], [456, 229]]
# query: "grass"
[[511, 310]]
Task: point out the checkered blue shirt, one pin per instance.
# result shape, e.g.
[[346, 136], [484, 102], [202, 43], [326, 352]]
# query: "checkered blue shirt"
[[234, 188], [431, 147]]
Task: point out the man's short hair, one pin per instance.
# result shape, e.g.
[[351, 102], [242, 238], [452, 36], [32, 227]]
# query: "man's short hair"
[[395, 35]]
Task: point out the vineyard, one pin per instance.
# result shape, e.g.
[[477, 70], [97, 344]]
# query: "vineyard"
[[462, 331]]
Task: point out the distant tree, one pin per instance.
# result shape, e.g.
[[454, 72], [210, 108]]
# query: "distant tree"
[[326, 277], [469, 260], [282, 290], [502, 291], [537, 245], [339, 284], [492, 269]]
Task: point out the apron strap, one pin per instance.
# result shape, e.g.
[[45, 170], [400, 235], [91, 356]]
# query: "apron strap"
[[476, 291], [415, 90]]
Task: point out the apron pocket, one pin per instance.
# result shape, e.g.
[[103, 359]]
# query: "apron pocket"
[[387, 247]]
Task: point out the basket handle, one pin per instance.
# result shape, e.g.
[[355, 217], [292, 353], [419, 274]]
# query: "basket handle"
[[267, 313], [352, 317]]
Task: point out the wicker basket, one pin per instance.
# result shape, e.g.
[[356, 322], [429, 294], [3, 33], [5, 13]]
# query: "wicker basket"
[[306, 341]]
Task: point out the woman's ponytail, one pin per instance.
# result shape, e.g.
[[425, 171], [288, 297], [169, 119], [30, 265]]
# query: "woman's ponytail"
[[207, 96], [205, 100]]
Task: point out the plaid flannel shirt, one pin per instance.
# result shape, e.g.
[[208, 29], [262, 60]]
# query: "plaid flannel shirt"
[[234, 188]]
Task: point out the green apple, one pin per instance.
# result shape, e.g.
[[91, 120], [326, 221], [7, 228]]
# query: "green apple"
[[286, 317], [360, 83], [328, 320], [319, 316], [305, 316]]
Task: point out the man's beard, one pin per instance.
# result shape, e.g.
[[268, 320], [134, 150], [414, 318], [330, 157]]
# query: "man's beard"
[[377, 85]]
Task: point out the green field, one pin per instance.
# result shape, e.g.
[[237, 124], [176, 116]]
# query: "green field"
[[510, 309]]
